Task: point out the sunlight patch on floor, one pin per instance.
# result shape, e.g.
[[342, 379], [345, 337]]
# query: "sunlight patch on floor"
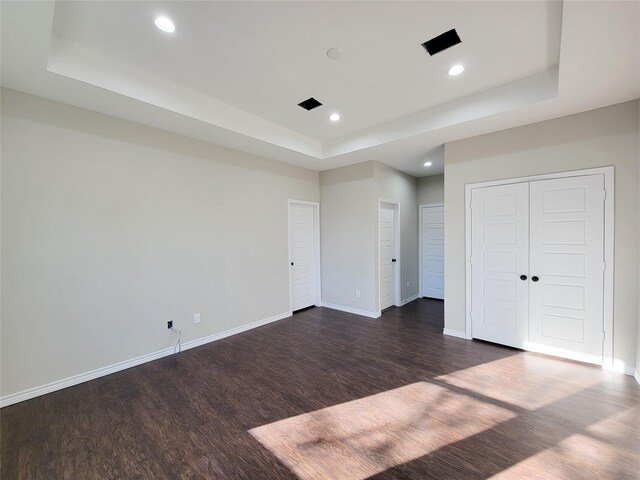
[[361, 438], [523, 381], [619, 429], [576, 457]]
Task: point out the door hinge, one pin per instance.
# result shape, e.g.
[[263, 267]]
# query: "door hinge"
[[604, 265], [603, 335], [604, 194]]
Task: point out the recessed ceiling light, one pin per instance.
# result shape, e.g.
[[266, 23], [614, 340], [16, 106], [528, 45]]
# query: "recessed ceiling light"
[[428, 164], [334, 117], [456, 70], [165, 24]]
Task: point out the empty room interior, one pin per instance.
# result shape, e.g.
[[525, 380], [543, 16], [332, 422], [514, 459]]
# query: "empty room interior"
[[320, 240]]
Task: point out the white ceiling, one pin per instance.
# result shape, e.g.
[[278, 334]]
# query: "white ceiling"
[[233, 72], [266, 57]]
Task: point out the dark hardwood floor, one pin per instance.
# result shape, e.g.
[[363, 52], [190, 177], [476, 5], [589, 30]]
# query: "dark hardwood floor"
[[330, 395]]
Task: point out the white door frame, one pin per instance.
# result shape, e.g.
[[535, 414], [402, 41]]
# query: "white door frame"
[[316, 253], [420, 253], [395, 204], [608, 173]]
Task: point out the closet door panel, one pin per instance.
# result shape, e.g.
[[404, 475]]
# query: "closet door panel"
[[566, 255], [499, 252]]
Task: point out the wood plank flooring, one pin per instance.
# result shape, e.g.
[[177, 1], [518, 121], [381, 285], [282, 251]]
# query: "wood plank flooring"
[[330, 395]]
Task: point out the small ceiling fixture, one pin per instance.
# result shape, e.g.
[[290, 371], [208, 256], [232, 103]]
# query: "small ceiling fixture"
[[456, 70], [442, 42], [428, 164], [310, 103], [334, 53], [165, 24], [334, 117]]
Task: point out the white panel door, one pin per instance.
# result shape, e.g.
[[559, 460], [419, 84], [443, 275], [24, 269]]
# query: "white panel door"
[[303, 261], [387, 260], [433, 252], [567, 267], [499, 257]]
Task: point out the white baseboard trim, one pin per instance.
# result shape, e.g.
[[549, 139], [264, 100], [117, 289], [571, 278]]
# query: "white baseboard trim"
[[410, 299], [117, 367], [636, 375], [454, 333], [234, 331], [342, 308], [619, 367]]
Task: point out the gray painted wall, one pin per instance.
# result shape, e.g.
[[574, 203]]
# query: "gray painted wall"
[[396, 185], [349, 232], [638, 326], [111, 228], [431, 189], [607, 136], [348, 236]]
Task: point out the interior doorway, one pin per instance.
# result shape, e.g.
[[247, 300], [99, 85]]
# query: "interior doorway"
[[431, 232], [304, 254], [388, 253]]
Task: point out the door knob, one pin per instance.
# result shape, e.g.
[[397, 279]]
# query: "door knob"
[[393, 259], [534, 279], [523, 277], [292, 264]]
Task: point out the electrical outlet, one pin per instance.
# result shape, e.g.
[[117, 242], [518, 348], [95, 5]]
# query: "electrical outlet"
[[170, 324], [357, 293], [196, 318]]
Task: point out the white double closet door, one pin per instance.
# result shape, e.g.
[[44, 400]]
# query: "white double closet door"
[[537, 266]]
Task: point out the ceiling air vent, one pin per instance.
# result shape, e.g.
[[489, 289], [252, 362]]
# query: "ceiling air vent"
[[310, 104], [442, 42]]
